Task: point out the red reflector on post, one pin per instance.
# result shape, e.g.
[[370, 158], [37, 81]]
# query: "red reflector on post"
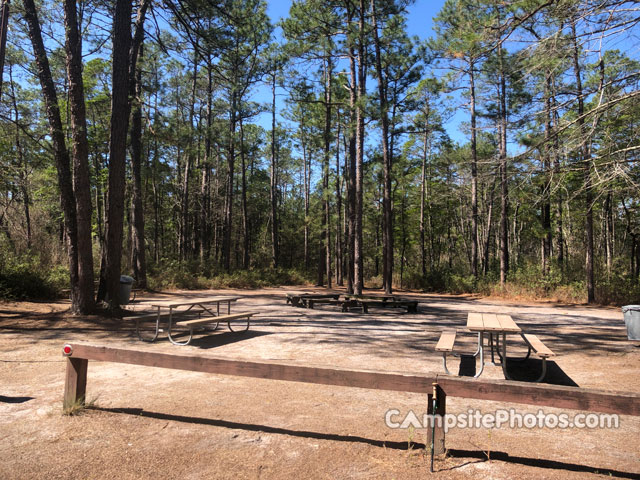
[[67, 350]]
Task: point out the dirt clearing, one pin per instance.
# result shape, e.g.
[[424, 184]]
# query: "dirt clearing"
[[157, 423]]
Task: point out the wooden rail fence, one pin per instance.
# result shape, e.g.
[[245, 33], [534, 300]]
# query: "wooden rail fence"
[[575, 398]]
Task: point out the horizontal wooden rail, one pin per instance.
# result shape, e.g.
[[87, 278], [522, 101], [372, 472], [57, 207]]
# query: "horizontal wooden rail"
[[542, 394], [625, 403], [272, 371]]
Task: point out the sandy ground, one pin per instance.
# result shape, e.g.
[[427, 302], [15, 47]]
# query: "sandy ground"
[[157, 423]]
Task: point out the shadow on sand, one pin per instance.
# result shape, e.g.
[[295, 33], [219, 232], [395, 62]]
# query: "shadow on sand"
[[480, 456]]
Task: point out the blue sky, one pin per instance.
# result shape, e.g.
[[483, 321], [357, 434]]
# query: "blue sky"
[[419, 23], [420, 14]]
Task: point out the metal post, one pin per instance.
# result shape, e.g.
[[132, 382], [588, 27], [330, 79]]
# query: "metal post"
[[434, 409]]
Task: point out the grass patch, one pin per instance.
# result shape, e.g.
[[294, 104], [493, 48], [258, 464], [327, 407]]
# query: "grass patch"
[[79, 407]]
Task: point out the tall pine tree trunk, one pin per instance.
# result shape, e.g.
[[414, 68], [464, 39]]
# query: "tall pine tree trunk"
[[474, 173], [307, 179], [325, 168], [387, 224], [23, 173], [546, 193], [79, 299], [205, 192], [339, 260], [585, 157], [80, 160], [187, 252], [358, 259], [246, 230], [138, 259], [504, 194], [110, 274], [352, 158], [560, 250], [423, 192], [228, 205], [275, 247], [4, 24]]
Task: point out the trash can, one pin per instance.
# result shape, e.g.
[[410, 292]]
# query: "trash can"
[[632, 320], [126, 282]]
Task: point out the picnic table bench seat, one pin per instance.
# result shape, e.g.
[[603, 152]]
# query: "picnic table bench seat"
[[137, 318], [540, 349], [154, 316], [445, 345], [196, 322], [537, 346]]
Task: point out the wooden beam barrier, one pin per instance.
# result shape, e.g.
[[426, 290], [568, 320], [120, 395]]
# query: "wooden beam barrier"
[[542, 394], [272, 371], [575, 398]]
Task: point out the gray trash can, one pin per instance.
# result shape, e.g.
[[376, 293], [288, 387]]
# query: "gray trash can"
[[126, 282], [632, 320]]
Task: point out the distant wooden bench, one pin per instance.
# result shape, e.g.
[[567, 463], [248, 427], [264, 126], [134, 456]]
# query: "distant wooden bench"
[[540, 349], [307, 300], [410, 305], [345, 305], [445, 345], [381, 298], [311, 302], [196, 322]]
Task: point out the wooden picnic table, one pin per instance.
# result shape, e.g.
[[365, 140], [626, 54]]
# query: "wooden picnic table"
[[497, 325], [193, 302], [492, 324], [196, 306], [309, 300]]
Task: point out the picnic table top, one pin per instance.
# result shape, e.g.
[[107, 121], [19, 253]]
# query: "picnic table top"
[[183, 302], [491, 322]]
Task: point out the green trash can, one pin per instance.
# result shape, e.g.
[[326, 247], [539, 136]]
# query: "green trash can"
[[126, 282], [632, 321]]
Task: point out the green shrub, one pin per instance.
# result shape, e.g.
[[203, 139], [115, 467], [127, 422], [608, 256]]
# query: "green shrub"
[[617, 290], [23, 278], [258, 279], [190, 276], [445, 280], [461, 284]]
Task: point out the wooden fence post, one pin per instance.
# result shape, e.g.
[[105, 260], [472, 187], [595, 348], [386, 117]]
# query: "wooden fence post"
[[441, 409], [75, 385]]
